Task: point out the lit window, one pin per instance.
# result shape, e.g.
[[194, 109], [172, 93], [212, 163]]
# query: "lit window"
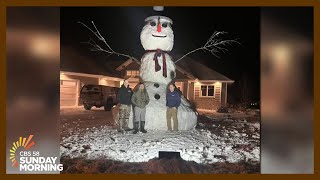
[[207, 91], [133, 73]]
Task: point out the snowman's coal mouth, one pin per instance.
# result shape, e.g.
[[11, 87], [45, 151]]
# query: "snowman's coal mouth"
[[159, 36]]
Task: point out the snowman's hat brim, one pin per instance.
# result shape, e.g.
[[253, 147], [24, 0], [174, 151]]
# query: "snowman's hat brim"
[[164, 18]]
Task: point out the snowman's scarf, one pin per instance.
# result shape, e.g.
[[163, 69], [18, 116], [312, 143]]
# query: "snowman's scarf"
[[157, 67]]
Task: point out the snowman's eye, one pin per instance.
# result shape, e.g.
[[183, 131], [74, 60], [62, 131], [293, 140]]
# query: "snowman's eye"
[[164, 25], [152, 23]]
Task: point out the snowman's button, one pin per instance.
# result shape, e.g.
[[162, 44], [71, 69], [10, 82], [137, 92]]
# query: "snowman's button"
[[157, 96], [156, 85], [158, 54], [172, 75]]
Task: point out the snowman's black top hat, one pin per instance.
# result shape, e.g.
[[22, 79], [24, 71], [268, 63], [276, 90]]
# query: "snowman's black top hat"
[[163, 18], [158, 13]]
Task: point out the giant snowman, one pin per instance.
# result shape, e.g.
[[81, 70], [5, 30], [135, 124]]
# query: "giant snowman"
[[157, 71]]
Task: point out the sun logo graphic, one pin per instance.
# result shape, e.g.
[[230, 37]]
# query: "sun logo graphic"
[[25, 143]]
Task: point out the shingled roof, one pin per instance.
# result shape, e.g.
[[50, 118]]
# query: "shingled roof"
[[72, 61], [200, 71]]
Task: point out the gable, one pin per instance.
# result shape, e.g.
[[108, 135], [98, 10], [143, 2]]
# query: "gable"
[[132, 66], [127, 63]]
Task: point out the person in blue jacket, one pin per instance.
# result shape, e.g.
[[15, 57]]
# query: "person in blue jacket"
[[173, 102]]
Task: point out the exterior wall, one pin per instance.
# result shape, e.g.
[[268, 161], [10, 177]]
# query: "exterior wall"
[[180, 85], [133, 82], [208, 103], [224, 94], [133, 66], [190, 95], [185, 89], [183, 85]]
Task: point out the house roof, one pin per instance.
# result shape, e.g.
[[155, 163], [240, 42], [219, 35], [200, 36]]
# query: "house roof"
[[71, 61], [187, 68], [200, 71], [127, 63]]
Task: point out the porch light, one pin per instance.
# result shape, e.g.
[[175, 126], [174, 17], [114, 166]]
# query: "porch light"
[[197, 82], [218, 83]]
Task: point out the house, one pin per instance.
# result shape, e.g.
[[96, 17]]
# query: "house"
[[198, 83]]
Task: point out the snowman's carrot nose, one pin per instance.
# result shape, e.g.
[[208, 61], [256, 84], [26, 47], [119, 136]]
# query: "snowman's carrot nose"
[[159, 25]]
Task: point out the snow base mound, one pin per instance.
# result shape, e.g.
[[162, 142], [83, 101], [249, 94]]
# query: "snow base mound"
[[200, 146]]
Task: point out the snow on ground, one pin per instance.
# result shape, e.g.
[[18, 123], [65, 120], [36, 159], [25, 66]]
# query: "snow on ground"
[[218, 137], [197, 145]]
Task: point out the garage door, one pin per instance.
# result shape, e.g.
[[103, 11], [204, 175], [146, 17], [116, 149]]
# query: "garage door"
[[68, 93]]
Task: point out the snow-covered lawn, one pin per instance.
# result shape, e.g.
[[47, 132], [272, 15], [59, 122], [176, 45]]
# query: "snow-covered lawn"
[[217, 138], [200, 146]]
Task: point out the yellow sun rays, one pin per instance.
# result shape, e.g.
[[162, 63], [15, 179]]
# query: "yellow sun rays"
[[22, 142]]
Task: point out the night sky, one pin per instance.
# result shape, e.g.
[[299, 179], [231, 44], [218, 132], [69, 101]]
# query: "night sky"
[[192, 27]]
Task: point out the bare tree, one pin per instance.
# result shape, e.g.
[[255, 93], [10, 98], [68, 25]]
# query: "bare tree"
[[97, 47], [214, 45]]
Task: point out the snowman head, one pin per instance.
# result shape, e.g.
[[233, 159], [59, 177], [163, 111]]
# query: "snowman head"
[[157, 33]]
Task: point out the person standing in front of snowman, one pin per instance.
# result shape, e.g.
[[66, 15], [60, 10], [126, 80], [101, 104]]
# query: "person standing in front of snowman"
[[124, 99], [140, 99], [173, 102]]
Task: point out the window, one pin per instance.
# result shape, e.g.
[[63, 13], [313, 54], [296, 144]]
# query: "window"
[[210, 90], [133, 73], [207, 91]]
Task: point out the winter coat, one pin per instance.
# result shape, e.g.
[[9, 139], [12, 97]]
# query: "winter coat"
[[173, 99], [140, 98], [124, 95]]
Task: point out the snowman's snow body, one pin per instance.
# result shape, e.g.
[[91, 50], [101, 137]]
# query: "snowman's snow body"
[[157, 34]]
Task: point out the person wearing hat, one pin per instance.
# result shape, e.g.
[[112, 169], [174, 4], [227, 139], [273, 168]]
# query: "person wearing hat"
[[140, 100]]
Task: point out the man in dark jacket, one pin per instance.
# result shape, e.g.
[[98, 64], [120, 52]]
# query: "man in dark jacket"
[[124, 99], [140, 100], [173, 102]]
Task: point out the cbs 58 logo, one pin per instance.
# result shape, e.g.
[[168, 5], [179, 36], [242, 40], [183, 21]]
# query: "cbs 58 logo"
[[29, 153]]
